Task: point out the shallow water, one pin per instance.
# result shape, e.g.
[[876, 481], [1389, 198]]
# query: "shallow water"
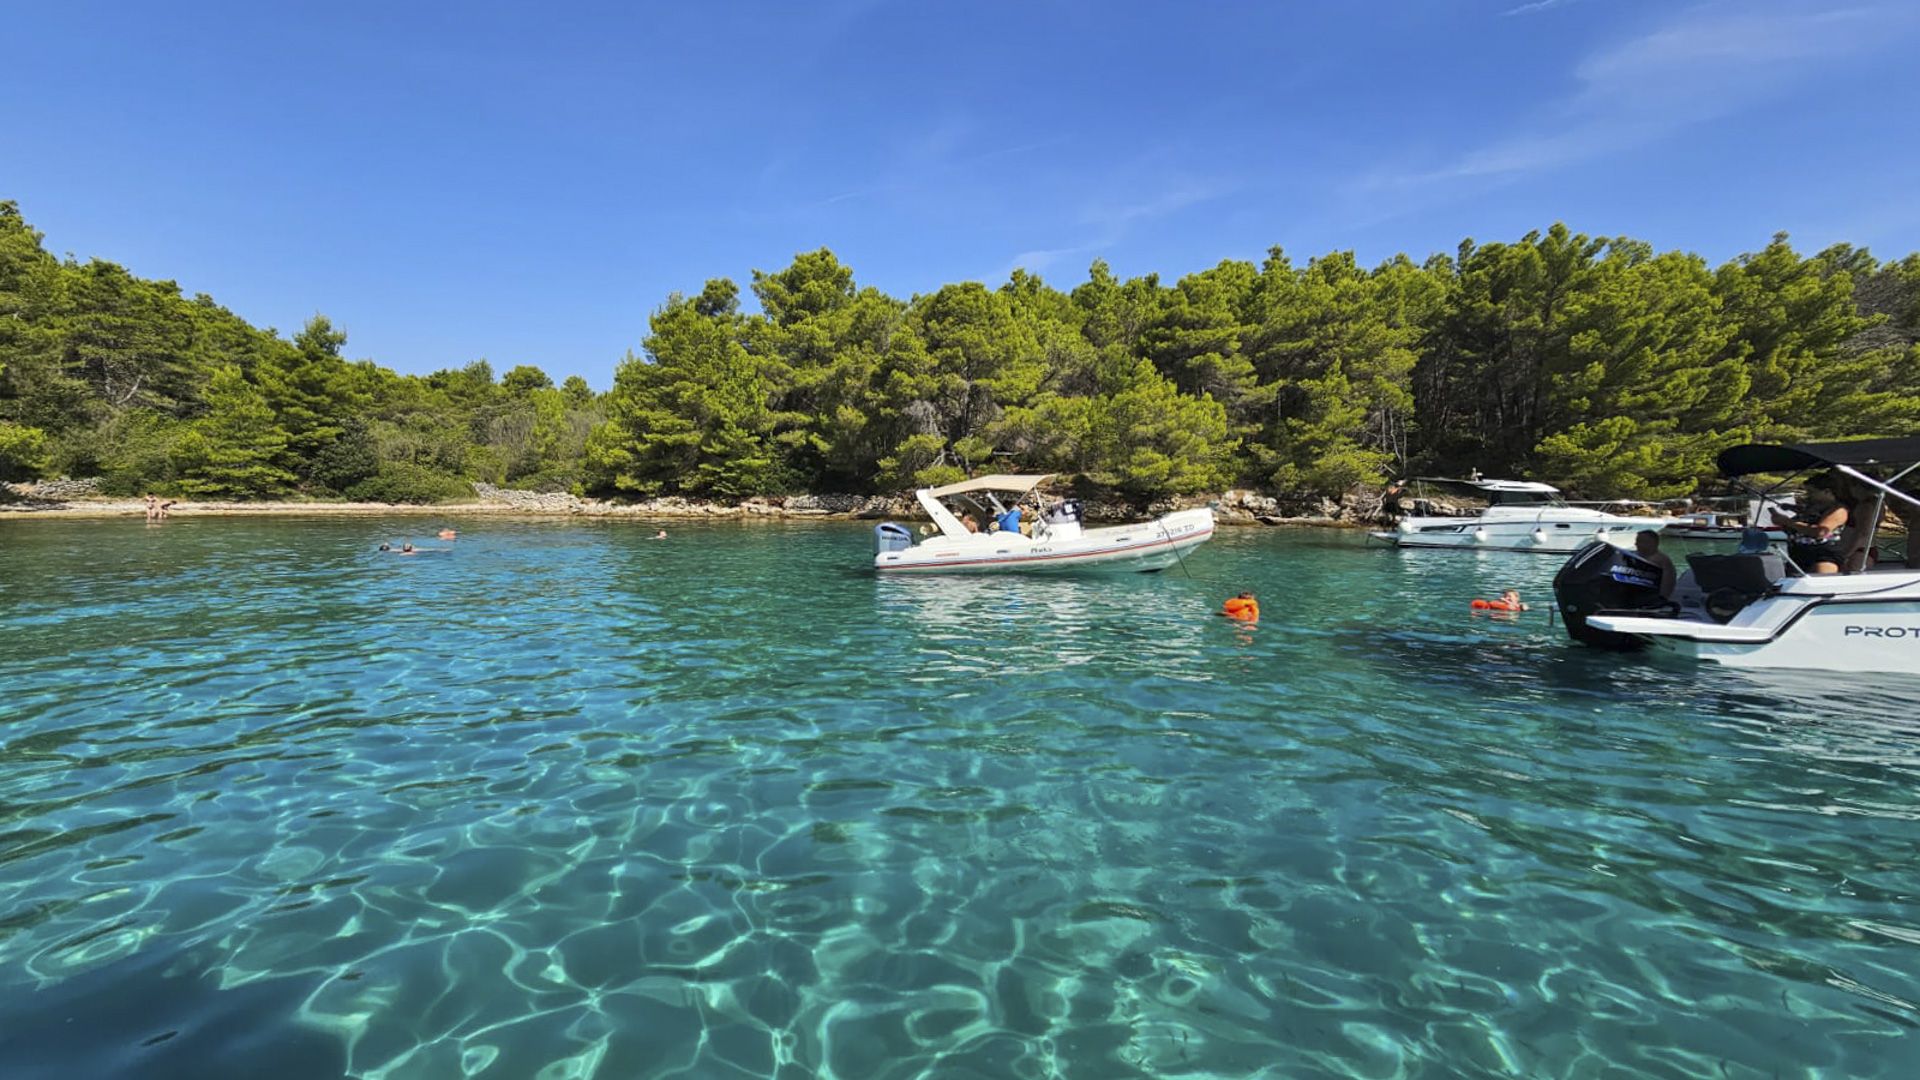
[[566, 801]]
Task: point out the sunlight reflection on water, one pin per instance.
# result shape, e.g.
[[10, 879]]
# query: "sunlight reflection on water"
[[564, 798]]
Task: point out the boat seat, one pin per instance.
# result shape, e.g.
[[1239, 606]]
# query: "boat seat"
[[1756, 574], [1731, 582]]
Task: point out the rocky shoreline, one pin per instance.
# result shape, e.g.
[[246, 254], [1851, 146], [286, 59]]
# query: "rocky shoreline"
[[80, 498]]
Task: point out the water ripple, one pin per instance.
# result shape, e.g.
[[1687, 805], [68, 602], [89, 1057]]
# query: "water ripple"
[[565, 801]]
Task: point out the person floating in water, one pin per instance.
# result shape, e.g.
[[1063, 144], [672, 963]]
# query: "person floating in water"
[[1242, 608], [661, 535], [1509, 601], [448, 534]]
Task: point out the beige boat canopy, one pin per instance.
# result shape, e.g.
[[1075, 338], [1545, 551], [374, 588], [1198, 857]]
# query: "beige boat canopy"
[[1015, 482]]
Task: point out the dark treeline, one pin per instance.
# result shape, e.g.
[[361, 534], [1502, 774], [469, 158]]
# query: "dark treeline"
[[1594, 362]]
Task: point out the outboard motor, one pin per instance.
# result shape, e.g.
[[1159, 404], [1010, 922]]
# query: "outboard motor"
[[890, 537], [1601, 577], [1064, 519]]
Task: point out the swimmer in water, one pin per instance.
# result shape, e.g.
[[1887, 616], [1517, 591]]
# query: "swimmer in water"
[[448, 534], [661, 535]]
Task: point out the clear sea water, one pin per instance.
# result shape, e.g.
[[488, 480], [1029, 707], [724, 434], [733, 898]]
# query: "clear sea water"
[[565, 801]]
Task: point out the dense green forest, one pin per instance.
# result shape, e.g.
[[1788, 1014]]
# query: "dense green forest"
[[1595, 362]]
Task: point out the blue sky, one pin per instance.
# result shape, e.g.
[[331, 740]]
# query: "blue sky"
[[450, 181]]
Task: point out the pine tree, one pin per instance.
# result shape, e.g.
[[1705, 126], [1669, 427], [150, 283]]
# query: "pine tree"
[[235, 449]]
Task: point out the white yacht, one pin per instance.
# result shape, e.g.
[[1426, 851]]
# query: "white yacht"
[[1058, 540], [1519, 515], [1754, 608]]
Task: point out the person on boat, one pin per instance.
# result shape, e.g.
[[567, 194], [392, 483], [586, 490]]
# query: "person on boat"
[[972, 523], [1646, 544], [1390, 500], [1813, 535], [1010, 521], [1864, 510], [1242, 608], [1909, 515]]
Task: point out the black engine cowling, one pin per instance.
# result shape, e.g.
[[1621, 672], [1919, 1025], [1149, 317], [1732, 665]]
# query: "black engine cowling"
[[1601, 577]]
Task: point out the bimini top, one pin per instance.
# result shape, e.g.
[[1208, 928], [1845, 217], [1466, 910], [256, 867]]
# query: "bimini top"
[[1016, 482], [1770, 457], [1493, 485]]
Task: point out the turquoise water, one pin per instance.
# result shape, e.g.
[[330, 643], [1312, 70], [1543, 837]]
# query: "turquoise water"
[[566, 801]]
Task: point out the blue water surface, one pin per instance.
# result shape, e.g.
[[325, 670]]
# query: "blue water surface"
[[565, 801]]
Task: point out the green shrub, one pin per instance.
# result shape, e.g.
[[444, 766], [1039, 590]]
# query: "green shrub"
[[401, 482], [23, 451]]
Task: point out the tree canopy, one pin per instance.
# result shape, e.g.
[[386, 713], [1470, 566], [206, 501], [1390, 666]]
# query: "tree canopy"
[[1595, 362]]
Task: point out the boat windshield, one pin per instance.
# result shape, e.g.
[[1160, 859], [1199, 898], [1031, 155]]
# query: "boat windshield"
[[1472, 496], [1524, 498]]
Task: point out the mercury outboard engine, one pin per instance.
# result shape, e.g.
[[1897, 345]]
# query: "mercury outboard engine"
[[1064, 519], [1601, 577], [890, 537]]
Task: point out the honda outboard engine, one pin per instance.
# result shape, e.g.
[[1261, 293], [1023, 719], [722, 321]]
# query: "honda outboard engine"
[[1601, 577], [890, 537], [1064, 519]]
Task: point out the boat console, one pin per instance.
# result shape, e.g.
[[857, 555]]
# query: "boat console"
[[1064, 519]]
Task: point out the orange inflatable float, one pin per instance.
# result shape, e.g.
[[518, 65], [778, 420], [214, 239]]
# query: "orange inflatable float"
[[1496, 605], [1243, 608]]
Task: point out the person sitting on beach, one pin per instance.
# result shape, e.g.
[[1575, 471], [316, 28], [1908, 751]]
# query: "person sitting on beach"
[[1646, 544]]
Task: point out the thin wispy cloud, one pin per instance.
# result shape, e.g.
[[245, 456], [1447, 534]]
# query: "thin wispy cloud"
[[1039, 260], [1537, 6], [931, 157], [1116, 217], [1710, 62], [1107, 222]]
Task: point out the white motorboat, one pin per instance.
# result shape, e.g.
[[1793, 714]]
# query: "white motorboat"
[[1753, 608], [1519, 516], [1718, 525], [1058, 541]]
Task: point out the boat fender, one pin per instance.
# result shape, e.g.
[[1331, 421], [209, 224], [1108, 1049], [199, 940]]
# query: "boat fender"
[[1242, 609], [1539, 536], [1479, 536]]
